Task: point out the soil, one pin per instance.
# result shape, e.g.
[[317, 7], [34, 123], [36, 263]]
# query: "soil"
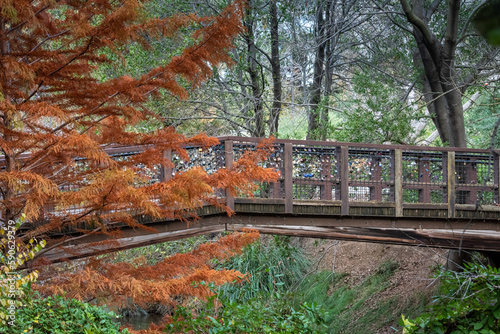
[[359, 260]]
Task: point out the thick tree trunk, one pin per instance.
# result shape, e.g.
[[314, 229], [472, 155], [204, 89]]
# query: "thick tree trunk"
[[314, 126], [255, 78], [441, 88], [276, 70]]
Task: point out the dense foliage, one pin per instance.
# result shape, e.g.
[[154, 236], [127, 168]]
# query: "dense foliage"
[[262, 303], [251, 316], [58, 116], [469, 303], [58, 315], [170, 281], [12, 256], [273, 267]]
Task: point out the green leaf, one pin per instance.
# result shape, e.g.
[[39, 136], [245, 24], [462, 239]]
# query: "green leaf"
[[496, 313]]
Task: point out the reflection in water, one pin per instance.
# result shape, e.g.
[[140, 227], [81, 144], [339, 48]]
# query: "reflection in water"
[[138, 322]]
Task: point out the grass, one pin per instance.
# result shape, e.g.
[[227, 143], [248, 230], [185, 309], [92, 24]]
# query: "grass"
[[356, 309]]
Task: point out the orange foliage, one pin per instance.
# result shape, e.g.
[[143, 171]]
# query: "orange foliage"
[[54, 111], [166, 282]]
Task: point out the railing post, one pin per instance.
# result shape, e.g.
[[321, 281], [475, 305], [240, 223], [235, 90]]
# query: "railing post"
[[398, 181], [496, 178], [166, 171], [376, 176], [344, 180], [326, 175], [451, 184], [228, 159], [288, 159], [424, 177], [471, 178]]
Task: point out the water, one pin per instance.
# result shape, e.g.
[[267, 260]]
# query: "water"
[[138, 322]]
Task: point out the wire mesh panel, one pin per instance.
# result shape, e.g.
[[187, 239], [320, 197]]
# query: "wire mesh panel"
[[315, 173], [210, 159], [274, 161], [371, 174], [424, 177], [474, 180]]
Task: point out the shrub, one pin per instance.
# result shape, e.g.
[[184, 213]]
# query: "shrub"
[[271, 267], [252, 316], [469, 303], [13, 255], [57, 315]]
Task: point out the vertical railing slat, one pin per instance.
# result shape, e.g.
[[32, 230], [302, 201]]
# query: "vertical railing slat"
[[496, 178], [344, 180], [398, 181], [424, 177], [326, 172], [376, 175], [166, 171], [288, 160], [228, 160], [451, 183]]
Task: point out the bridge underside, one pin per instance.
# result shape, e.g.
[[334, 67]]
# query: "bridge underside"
[[421, 225]]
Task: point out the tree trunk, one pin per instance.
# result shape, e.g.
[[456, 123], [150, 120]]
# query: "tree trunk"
[[276, 70], [314, 126], [441, 88], [255, 79]]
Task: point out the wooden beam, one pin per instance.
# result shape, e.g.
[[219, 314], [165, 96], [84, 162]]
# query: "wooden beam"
[[85, 250], [409, 237]]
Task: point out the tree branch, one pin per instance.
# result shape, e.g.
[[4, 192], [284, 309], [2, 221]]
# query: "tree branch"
[[417, 22]]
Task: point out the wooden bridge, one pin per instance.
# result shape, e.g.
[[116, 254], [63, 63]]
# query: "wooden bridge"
[[420, 196]]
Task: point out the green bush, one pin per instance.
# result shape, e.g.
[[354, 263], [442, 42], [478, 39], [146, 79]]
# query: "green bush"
[[469, 303], [57, 315], [252, 316], [259, 305], [272, 267]]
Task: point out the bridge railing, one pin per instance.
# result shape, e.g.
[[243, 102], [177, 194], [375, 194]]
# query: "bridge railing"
[[398, 180], [355, 179]]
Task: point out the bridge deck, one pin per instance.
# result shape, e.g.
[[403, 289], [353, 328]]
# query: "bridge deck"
[[442, 197]]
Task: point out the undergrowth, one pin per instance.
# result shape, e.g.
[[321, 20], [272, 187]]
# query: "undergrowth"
[[468, 303], [355, 309]]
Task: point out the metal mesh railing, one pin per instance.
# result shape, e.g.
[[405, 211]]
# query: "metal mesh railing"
[[315, 173], [275, 161], [371, 174], [474, 179], [423, 176], [368, 174], [210, 159]]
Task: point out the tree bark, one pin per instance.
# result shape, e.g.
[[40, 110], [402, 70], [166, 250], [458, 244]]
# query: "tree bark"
[[275, 68], [441, 88], [255, 79], [314, 129]]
